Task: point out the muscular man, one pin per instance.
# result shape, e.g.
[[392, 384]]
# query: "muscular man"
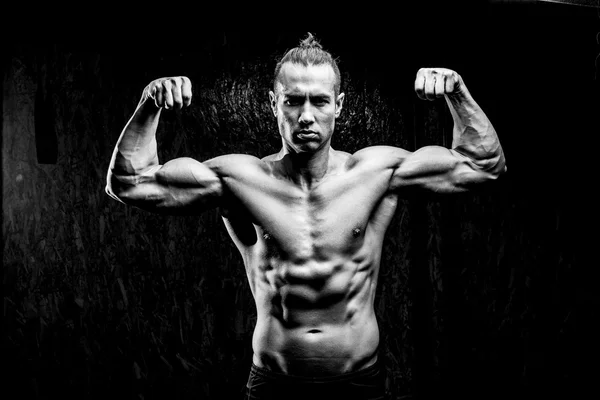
[[309, 221]]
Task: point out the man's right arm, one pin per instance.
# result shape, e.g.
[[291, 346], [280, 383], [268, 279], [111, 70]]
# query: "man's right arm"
[[135, 177]]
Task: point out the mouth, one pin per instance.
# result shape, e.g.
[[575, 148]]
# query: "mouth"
[[306, 135]]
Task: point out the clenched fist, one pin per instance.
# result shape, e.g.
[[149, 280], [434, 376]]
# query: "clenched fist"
[[173, 92], [432, 83]]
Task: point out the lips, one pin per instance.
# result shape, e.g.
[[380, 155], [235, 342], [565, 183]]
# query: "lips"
[[307, 135]]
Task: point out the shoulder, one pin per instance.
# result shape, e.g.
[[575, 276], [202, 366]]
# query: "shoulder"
[[236, 164], [378, 156], [271, 157]]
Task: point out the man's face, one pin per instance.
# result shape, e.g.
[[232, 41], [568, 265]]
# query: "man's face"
[[305, 106]]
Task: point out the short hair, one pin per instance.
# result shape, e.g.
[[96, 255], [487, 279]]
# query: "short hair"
[[309, 52]]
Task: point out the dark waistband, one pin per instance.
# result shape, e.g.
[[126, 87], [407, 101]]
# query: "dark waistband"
[[347, 376]]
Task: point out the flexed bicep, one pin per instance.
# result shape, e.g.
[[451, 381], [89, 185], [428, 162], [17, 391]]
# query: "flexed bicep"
[[180, 186], [438, 169]]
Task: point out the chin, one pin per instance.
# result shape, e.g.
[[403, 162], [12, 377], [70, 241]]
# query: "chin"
[[311, 147]]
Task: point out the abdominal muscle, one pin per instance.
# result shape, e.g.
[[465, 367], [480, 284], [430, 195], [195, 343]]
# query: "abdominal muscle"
[[315, 327]]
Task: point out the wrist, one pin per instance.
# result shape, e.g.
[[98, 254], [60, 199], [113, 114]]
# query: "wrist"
[[146, 112]]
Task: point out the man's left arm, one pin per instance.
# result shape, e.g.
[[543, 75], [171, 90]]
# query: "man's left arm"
[[476, 155]]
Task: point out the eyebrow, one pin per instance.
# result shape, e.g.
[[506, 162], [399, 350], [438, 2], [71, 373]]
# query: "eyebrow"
[[312, 96]]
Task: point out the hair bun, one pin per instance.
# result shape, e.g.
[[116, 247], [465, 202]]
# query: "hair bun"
[[310, 41]]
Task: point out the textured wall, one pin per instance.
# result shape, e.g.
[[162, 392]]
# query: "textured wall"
[[484, 292]]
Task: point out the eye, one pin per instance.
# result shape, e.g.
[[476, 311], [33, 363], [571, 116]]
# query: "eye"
[[319, 101], [292, 102]]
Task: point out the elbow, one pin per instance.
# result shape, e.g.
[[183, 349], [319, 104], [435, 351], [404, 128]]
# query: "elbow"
[[503, 169], [496, 171], [114, 188], [111, 192], [493, 167], [471, 178], [499, 167]]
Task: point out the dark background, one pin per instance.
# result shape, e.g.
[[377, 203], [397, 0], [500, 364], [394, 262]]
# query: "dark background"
[[491, 294]]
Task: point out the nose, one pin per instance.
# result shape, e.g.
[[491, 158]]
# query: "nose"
[[307, 116]]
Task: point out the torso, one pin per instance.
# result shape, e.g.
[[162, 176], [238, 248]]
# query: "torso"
[[312, 259]]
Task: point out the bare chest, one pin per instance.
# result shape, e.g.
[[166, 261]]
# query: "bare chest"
[[332, 219]]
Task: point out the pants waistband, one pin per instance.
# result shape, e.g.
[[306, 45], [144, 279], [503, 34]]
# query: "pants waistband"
[[266, 373]]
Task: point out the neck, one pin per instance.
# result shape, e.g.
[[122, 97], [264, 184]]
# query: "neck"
[[307, 169]]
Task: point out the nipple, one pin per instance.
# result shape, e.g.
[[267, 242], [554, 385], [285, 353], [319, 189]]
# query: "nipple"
[[356, 232]]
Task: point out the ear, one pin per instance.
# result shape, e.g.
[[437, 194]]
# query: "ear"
[[273, 102], [338, 104]]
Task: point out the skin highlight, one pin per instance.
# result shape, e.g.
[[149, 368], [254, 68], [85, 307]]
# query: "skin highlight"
[[308, 221]]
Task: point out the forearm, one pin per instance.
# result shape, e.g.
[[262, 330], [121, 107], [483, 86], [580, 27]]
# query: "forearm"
[[136, 148], [473, 133]]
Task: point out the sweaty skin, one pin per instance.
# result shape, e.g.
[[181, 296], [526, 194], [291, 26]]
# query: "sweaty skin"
[[308, 221], [312, 260]]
